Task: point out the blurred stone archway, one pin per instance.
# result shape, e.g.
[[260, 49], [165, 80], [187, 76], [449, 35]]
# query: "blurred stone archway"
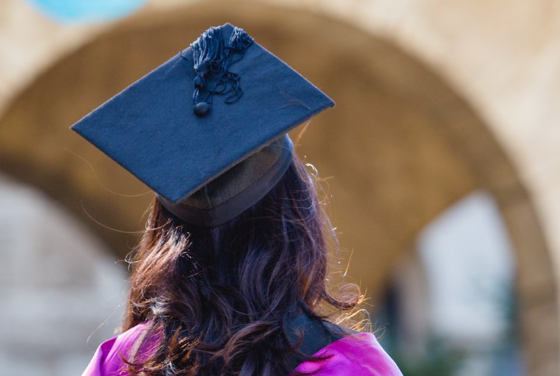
[[401, 144]]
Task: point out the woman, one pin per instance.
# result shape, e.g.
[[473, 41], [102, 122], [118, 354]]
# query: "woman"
[[230, 277]]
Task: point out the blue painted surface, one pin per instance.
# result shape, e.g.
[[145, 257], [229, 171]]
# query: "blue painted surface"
[[86, 10]]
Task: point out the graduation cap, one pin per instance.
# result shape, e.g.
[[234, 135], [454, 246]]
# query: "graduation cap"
[[207, 130]]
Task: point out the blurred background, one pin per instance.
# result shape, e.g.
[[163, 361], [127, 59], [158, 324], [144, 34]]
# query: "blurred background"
[[442, 162]]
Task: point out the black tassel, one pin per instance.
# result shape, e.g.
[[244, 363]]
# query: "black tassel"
[[213, 58]]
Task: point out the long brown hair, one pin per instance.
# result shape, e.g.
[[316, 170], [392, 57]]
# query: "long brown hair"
[[219, 297]]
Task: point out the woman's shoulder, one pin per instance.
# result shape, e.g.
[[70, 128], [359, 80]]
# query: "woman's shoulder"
[[358, 354], [108, 359]]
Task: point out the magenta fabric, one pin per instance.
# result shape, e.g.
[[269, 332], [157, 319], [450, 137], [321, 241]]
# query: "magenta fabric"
[[356, 355]]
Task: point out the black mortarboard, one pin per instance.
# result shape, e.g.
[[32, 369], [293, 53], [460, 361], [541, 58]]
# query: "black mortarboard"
[[207, 129]]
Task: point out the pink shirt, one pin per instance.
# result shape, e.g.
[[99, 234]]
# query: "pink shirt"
[[357, 355]]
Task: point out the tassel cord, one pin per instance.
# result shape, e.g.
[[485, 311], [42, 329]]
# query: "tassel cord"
[[213, 58]]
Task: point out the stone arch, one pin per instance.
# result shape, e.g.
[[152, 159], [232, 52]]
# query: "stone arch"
[[402, 145]]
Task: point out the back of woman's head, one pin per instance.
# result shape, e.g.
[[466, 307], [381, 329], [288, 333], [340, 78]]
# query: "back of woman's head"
[[221, 298]]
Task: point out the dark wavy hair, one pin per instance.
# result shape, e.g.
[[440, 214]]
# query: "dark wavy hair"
[[219, 297]]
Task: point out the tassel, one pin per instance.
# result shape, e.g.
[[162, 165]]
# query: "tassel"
[[213, 58]]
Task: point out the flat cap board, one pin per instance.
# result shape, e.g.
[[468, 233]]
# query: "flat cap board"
[[150, 128]]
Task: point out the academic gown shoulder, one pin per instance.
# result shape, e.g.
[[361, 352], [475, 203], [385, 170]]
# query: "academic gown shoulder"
[[358, 354]]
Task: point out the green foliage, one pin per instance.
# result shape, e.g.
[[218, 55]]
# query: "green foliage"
[[440, 360]]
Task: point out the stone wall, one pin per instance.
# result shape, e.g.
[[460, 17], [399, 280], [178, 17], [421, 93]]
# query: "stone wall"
[[61, 291]]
